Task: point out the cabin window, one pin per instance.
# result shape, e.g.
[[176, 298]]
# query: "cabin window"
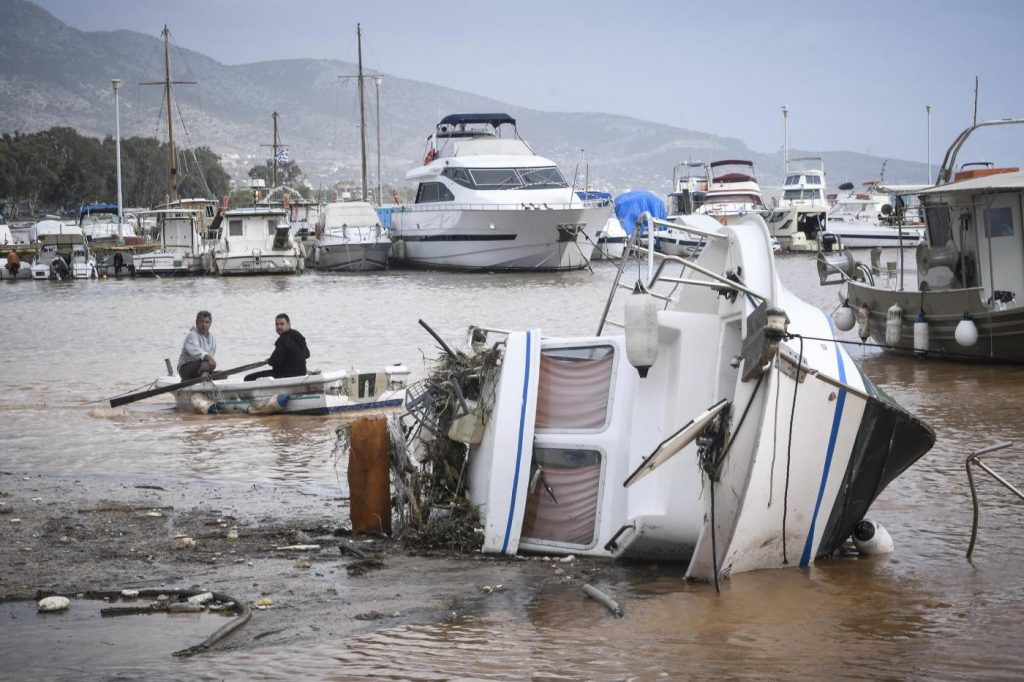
[[542, 178], [209, 211], [573, 478], [458, 175], [937, 220], [574, 387], [496, 178], [430, 192], [271, 227], [999, 222], [235, 228], [793, 180]]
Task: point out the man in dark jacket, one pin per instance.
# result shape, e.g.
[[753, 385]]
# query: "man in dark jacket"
[[290, 352]]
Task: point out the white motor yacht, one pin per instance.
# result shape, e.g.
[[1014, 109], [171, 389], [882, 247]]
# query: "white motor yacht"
[[732, 190], [485, 201], [800, 217], [864, 219], [256, 241], [350, 238], [964, 306]]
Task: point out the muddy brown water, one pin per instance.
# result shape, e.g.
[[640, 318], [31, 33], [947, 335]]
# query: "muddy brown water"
[[922, 612]]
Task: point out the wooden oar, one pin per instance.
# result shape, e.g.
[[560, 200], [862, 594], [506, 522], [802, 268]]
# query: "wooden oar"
[[125, 399]]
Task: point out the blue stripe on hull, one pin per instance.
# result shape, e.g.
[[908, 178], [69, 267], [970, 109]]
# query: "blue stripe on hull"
[[519, 448]]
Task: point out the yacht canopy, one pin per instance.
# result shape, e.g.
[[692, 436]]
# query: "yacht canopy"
[[492, 119], [86, 209], [729, 162], [988, 182]]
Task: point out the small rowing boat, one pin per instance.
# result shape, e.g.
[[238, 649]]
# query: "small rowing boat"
[[316, 393]]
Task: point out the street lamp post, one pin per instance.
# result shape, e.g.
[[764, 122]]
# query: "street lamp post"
[[785, 136], [928, 111], [376, 85], [117, 145]]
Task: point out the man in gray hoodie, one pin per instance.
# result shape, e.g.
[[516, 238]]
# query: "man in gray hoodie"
[[198, 350]]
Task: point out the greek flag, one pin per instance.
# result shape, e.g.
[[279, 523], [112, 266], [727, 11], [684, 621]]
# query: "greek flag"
[[282, 156]]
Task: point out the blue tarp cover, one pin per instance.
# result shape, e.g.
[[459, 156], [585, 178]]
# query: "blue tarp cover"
[[629, 206], [384, 213], [592, 194], [96, 208]]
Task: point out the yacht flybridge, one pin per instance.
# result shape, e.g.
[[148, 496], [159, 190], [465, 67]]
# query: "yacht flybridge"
[[486, 201], [801, 215]]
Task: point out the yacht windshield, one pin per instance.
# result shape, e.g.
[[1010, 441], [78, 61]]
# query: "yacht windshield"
[[802, 194], [506, 178]]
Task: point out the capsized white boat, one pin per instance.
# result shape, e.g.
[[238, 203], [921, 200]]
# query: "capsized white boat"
[[316, 393], [725, 428]]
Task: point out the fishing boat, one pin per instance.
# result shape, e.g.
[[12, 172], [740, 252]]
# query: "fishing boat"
[[182, 246], [315, 393], [963, 305], [257, 241], [724, 426], [350, 238], [486, 201], [800, 219]]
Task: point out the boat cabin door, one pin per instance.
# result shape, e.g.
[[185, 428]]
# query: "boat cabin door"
[[1001, 248]]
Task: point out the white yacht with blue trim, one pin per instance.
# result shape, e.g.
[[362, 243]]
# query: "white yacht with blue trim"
[[486, 201], [723, 425]]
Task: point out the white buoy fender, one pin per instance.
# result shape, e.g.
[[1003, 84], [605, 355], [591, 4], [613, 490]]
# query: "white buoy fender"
[[893, 325], [863, 322], [641, 326], [921, 335], [871, 537], [966, 333], [845, 318], [53, 604]]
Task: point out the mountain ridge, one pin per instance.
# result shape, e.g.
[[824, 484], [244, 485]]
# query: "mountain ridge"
[[53, 74]]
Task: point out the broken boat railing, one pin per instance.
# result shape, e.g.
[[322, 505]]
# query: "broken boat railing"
[[654, 274], [975, 459]]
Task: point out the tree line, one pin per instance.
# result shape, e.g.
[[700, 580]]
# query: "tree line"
[[57, 170]]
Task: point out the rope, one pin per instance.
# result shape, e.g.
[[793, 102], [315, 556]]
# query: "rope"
[[789, 449]]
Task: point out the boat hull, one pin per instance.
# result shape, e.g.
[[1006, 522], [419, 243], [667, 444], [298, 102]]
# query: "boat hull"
[[352, 257], [867, 236], [1000, 332], [266, 263], [164, 264], [516, 238], [312, 394]]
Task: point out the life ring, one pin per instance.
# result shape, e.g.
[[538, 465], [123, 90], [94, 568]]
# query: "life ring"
[[431, 155]]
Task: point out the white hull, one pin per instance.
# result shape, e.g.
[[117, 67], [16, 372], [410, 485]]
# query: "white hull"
[[327, 393], [167, 264], [352, 256], [516, 238], [863, 235], [615, 476], [256, 263]]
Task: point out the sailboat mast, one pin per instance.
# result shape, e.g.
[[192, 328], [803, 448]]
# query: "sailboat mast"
[[273, 177], [170, 116], [362, 107]]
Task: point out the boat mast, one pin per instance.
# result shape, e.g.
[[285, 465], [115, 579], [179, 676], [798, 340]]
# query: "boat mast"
[[362, 107], [273, 177], [169, 96]]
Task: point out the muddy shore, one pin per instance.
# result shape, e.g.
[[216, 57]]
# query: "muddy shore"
[[69, 535]]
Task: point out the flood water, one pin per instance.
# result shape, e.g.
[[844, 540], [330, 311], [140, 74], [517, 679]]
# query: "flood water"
[[922, 612]]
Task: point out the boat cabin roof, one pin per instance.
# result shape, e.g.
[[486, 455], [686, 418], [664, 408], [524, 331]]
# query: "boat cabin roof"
[[489, 119], [86, 209], [731, 162], [1000, 181], [253, 211]]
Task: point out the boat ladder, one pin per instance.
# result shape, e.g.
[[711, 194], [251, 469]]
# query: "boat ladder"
[[975, 459]]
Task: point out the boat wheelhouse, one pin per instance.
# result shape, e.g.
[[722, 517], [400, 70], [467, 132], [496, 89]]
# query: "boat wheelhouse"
[[486, 201], [350, 238], [182, 248], [969, 275], [732, 190], [800, 217], [256, 241]]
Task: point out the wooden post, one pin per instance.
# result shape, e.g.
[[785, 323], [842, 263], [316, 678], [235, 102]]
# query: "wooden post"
[[369, 476]]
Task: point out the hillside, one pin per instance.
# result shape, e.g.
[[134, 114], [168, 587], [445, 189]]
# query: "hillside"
[[52, 74]]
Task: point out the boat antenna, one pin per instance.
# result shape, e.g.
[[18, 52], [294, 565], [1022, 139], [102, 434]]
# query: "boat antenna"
[[362, 106], [169, 96], [975, 100]]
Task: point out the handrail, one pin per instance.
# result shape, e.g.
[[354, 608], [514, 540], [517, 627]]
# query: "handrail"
[[949, 160], [973, 458], [521, 206], [654, 274]]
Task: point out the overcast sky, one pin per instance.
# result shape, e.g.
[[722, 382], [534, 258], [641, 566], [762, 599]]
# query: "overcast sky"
[[856, 76]]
